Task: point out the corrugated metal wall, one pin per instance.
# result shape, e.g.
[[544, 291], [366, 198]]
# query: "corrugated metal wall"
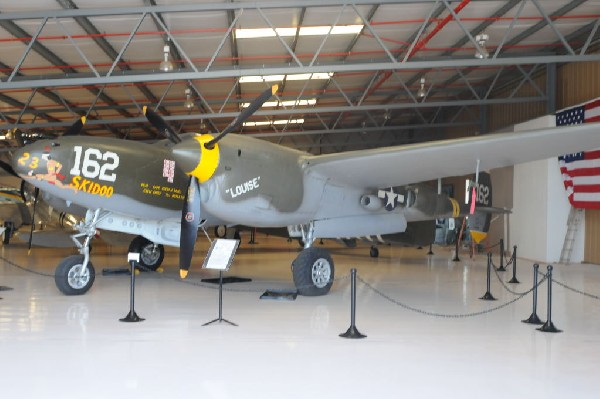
[[575, 83]]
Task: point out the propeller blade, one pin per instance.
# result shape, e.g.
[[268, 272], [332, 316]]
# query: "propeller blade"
[[190, 220], [245, 114], [35, 200], [161, 125], [76, 127]]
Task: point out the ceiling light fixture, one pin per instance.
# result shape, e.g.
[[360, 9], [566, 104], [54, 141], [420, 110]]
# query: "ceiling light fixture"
[[287, 103], [422, 92], [276, 122], [166, 65], [302, 31], [279, 78], [482, 53], [188, 103]]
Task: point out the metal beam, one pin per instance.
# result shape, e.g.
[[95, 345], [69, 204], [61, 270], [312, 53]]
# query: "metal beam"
[[198, 7], [89, 80], [304, 111]]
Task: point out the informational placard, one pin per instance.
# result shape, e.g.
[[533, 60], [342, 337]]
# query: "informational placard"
[[220, 255]]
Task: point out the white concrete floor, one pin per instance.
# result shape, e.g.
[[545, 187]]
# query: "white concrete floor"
[[54, 346]]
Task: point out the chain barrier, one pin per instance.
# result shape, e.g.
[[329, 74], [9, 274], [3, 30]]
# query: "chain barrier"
[[506, 286], [177, 280], [576, 290], [445, 315], [13, 264], [492, 246], [571, 288], [508, 263], [336, 280]]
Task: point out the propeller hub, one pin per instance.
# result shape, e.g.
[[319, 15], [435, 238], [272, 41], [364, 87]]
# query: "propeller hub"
[[195, 159]]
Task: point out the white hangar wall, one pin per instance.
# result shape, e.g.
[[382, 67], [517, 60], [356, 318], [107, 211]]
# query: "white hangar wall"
[[538, 222]]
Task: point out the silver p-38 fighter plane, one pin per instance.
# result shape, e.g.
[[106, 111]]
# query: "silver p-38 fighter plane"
[[165, 190]]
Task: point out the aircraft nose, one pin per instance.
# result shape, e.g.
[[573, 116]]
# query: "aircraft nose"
[[195, 159], [17, 162], [28, 160]]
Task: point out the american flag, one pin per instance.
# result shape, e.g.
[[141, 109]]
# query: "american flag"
[[581, 171]]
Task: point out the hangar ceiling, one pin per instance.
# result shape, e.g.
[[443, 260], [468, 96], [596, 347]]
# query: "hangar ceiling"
[[351, 74]]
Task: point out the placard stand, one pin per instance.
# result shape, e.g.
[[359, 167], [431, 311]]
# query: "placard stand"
[[219, 257]]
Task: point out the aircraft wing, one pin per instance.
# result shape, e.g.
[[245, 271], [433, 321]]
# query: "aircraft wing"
[[407, 164]]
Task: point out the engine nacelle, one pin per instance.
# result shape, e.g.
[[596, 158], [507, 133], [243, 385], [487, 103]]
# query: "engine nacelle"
[[164, 232], [371, 202]]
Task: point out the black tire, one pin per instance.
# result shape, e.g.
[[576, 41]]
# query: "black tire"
[[374, 252], [68, 277], [151, 257], [220, 231], [313, 272], [8, 232]]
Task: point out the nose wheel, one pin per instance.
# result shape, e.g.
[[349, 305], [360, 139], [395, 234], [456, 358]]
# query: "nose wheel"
[[72, 277]]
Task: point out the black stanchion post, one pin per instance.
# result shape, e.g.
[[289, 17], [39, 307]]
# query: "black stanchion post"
[[534, 319], [514, 280], [456, 258], [352, 331], [548, 325], [132, 317], [488, 295], [501, 268]]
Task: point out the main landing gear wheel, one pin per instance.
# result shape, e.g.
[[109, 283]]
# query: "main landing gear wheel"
[[313, 272], [71, 278], [220, 231], [151, 256], [374, 252]]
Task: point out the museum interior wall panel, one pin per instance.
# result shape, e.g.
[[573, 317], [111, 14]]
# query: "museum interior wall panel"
[[592, 236], [502, 115], [577, 83], [540, 207], [502, 191]]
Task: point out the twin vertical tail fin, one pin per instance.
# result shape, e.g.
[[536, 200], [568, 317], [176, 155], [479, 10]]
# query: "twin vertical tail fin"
[[479, 220]]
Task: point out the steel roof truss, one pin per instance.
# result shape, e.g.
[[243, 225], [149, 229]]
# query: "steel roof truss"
[[526, 78], [375, 35], [31, 95], [126, 44], [473, 91], [510, 29], [424, 25], [462, 26], [233, 88], [76, 46], [160, 101], [551, 24], [491, 86], [590, 37], [132, 98], [27, 49], [222, 43], [175, 43], [325, 37], [283, 43]]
